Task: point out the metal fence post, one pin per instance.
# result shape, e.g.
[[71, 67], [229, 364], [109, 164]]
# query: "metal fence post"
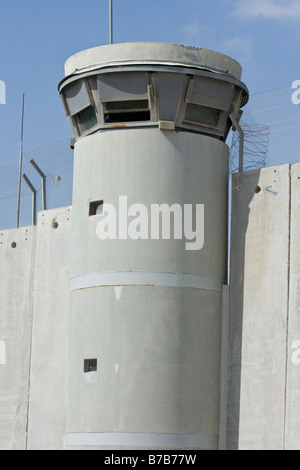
[[33, 190], [43, 176], [242, 138]]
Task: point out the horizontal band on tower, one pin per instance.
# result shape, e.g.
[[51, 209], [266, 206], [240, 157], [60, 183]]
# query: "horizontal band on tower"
[[145, 278], [143, 440]]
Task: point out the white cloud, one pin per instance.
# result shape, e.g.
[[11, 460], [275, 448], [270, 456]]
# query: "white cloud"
[[275, 9], [239, 44], [239, 47], [194, 28]]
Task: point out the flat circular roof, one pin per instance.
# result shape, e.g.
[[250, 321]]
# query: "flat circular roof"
[[151, 53]]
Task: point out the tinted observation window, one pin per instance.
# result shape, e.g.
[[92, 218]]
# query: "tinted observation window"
[[87, 119], [201, 115], [126, 111]]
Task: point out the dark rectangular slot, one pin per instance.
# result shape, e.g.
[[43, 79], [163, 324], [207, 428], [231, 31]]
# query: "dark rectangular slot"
[[90, 365], [127, 111], [96, 208], [133, 116]]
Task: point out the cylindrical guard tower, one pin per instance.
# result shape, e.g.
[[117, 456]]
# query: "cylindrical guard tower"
[[149, 243]]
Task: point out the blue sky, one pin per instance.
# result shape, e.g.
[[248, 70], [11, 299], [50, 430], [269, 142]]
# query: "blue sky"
[[37, 37]]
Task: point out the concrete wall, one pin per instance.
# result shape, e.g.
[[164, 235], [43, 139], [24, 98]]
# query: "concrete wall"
[[17, 253], [264, 342], [264, 326], [34, 304], [47, 410], [292, 424]]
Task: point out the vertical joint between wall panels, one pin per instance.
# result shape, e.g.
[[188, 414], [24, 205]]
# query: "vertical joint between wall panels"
[[288, 300]]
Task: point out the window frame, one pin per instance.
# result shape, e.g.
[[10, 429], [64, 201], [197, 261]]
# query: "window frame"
[[201, 124], [208, 129], [79, 124], [74, 116], [126, 111], [149, 95]]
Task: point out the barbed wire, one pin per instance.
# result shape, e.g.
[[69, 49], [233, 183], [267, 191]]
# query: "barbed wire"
[[271, 123], [256, 145], [56, 161]]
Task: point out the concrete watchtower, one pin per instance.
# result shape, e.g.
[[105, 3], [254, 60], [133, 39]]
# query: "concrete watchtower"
[[150, 123]]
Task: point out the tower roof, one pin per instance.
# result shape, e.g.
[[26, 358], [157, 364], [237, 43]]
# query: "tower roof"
[[152, 53]]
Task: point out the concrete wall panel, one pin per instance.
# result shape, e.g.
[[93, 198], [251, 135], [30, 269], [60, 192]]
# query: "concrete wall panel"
[[292, 427], [50, 324], [17, 252], [258, 308]]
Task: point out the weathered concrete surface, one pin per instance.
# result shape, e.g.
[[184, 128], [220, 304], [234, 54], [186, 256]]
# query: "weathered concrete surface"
[[263, 401], [292, 427], [164, 340], [34, 307], [149, 53], [143, 353], [17, 252], [47, 409], [258, 308], [264, 343]]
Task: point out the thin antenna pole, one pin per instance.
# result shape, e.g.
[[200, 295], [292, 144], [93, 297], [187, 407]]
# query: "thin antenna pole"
[[21, 163], [111, 27]]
